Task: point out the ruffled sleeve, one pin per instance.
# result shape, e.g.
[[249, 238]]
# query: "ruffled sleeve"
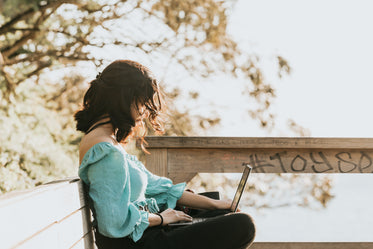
[[105, 170], [162, 189]]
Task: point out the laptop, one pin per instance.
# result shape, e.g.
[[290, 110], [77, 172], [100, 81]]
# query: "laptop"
[[235, 201]]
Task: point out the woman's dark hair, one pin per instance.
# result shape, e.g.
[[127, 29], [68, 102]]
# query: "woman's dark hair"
[[112, 93]]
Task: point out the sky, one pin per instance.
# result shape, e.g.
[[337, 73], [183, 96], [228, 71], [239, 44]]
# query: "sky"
[[328, 44]]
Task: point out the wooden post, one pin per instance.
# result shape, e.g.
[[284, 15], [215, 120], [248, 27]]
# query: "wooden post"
[[156, 162]]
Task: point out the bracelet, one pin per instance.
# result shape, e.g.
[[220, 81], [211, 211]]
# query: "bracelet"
[[161, 218]]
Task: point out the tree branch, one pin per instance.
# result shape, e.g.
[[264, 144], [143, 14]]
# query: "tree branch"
[[29, 12], [22, 16], [7, 52], [40, 67], [81, 39]]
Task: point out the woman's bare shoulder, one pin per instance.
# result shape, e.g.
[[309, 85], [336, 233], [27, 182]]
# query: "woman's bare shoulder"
[[88, 142]]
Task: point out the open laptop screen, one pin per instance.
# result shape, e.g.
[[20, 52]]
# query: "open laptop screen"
[[241, 187]]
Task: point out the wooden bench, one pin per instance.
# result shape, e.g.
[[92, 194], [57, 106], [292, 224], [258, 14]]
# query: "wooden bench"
[[56, 215]]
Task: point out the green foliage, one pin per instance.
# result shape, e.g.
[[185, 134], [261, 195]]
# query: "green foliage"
[[10, 8], [37, 145]]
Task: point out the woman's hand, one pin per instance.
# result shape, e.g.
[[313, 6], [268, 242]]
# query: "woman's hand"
[[171, 216]]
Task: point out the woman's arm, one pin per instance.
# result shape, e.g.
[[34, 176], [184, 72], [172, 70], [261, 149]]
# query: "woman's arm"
[[192, 200]]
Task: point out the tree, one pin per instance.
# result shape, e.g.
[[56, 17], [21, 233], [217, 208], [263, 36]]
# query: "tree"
[[42, 41], [42, 35]]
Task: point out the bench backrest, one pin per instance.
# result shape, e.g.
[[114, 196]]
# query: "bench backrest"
[[54, 215]]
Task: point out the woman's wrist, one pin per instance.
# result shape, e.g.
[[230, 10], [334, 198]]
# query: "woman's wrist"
[[155, 219], [160, 216]]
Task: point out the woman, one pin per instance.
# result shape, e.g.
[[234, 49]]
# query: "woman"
[[131, 206]]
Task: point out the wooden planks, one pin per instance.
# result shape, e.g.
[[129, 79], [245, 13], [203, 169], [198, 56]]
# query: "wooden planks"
[[55, 215], [258, 142], [62, 234], [184, 157], [270, 160], [157, 162]]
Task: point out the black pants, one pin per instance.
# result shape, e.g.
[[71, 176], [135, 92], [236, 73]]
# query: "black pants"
[[225, 231]]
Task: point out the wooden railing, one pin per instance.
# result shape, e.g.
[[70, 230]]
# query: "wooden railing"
[[181, 158]]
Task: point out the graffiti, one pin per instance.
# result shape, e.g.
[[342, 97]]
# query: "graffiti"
[[302, 160], [314, 161]]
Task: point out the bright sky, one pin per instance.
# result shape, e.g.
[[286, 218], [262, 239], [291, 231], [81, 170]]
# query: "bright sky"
[[328, 44]]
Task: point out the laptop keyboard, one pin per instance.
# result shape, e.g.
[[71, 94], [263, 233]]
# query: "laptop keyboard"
[[197, 220]]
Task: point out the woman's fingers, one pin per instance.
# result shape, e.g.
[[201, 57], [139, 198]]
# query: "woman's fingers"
[[171, 215], [183, 215], [189, 218]]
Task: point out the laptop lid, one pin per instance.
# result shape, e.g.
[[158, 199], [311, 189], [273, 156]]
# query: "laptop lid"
[[241, 187]]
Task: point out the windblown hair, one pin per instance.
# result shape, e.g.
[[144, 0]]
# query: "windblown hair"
[[112, 93]]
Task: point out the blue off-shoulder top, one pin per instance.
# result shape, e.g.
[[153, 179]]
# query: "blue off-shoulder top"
[[120, 186]]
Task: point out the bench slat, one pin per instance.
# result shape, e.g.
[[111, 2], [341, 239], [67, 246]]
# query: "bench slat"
[[63, 234], [22, 217], [85, 243]]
